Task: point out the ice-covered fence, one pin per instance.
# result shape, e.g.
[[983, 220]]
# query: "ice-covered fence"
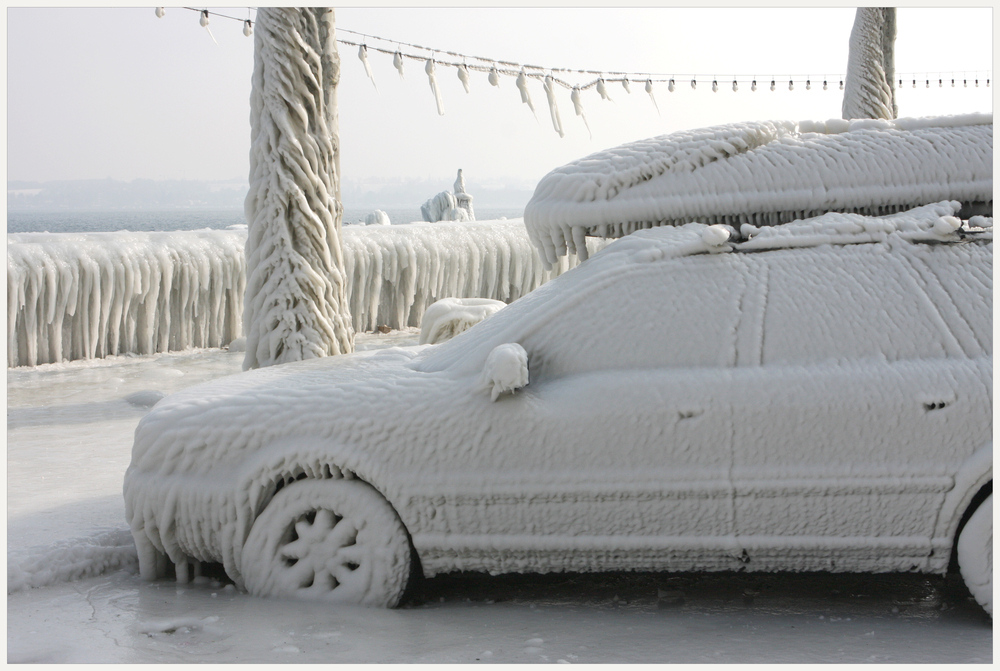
[[80, 296], [84, 296]]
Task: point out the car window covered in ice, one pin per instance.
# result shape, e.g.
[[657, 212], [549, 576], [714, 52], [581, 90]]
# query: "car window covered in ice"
[[959, 277], [846, 303], [681, 313]]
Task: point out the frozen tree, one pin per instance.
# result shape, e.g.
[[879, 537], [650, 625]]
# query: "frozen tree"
[[295, 305], [868, 89]]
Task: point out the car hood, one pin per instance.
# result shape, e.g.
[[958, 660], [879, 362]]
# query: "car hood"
[[219, 428]]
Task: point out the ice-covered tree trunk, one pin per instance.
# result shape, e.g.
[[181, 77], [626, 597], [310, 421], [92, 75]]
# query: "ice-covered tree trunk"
[[868, 89], [295, 305]]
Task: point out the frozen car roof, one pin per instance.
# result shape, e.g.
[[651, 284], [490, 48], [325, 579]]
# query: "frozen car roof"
[[763, 173]]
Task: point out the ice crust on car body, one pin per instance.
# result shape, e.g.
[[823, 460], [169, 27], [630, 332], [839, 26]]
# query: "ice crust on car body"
[[570, 473]]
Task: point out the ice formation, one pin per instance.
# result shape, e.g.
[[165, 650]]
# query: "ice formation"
[[84, 296], [295, 301], [822, 405], [447, 206], [72, 559], [377, 218], [395, 272], [506, 370], [463, 200], [764, 173], [448, 317], [868, 90]]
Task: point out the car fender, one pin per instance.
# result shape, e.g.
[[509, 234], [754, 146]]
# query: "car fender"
[[970, 478], [286, 460]]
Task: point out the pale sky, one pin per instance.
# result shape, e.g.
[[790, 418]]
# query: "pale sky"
[[116, 92]]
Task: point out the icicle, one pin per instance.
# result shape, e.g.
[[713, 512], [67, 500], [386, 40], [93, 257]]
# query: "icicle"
[[772, 84], [808, 85], [247, 28], [649, 90], [578, 106], [625, 85], [463, 76], [824, 85], [694, 83], [160, 11], [670, 86], [550, 94], [753, 85], [522, 86], [791, 85], [397, 62], [715, 86], [602, 90], [494, 76], [363, 55], [429, 69], [204, 24], [735, 86]]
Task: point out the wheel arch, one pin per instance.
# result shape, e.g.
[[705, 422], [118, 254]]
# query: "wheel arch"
[[972, 484], [298, 458]]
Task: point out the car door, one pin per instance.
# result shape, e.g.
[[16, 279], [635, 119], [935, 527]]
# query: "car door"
[[852, 422], [625, 429]]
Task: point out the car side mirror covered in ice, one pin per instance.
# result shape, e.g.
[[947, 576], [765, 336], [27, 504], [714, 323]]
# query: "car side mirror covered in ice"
[[506, 369]]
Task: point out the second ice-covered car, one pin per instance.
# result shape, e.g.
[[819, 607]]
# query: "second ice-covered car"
[[815, 396]]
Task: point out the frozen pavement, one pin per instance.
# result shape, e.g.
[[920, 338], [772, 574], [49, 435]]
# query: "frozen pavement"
[[69, 438]]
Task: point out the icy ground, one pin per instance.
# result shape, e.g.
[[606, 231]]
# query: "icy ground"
[[69, 433]]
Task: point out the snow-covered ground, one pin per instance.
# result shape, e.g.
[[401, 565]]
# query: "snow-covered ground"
[[69, 436]]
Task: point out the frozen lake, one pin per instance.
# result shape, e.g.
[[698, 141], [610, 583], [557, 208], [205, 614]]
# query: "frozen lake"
[[69, 436]]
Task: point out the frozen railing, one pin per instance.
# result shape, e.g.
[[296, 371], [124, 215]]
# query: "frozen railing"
[[85, 296]]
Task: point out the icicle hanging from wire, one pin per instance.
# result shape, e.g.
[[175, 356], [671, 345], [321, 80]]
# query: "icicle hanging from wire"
[[602, 90], [247, 28], [522, 86], [429, 69], [578, 107], [625, 85], [397, 62], [649, 90], [494, 76], [463, 76], [160, 11], [363, 55], [204, 21], [550, 94]]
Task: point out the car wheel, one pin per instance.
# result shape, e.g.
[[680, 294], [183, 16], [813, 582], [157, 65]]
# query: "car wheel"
[[975, 554], [330, 540]]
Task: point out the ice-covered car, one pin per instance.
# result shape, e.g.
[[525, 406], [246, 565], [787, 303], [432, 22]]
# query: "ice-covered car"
[[815, 396]]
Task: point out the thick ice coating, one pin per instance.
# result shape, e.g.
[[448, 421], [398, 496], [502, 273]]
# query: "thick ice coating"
[[762, 173], [820, 402], [448, 317], [84, 296]]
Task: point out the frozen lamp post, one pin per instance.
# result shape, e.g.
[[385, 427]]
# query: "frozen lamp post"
[[295, 306]]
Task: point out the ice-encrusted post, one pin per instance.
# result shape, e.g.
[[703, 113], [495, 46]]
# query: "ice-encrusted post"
[[868, 89], [295, 306]]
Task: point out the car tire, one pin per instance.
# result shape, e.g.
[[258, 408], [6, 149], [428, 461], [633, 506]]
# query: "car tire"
[[975, 554], [330, 540]]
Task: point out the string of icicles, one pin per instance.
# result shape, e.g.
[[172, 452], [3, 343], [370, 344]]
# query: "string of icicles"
[[550, 78]]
